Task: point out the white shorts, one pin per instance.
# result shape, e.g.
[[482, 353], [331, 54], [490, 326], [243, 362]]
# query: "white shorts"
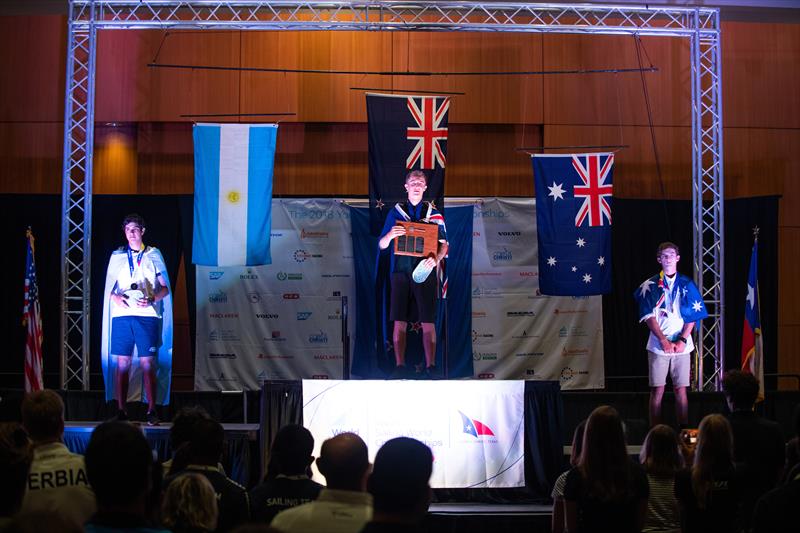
[[677, 366]]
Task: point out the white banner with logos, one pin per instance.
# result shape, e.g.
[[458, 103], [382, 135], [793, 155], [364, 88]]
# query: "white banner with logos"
[[516, 332], [284, 320], [474, 429]]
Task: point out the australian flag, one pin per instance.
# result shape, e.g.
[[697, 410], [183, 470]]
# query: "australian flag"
[[405, 133], [573, 216]]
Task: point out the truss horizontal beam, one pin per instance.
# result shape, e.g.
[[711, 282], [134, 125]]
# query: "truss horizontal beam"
[[394, 15]]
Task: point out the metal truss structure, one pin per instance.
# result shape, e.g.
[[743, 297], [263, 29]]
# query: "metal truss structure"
[[700, 25]]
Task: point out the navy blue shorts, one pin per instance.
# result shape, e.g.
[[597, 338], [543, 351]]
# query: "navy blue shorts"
[[141, 331], [413, 302]]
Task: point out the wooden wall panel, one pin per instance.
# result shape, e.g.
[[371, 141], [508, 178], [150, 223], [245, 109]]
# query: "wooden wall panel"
[[128, 90], [635, 174], [788, 355], [33, 63], [30, 157], [760, 78], [788, 261], [603, 99], [115, 159], [488, 99]]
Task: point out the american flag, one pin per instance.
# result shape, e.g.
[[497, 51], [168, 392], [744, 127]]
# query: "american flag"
[[32, 319], [573, 217]]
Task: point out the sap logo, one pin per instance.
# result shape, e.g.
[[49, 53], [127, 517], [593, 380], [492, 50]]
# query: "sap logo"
[[223, 315], [215, 275], [509, 233], [248, 275], [486, 375], [267, 316], [291, 296], [218, 297], [303, 315], [530, 372], [283, 276], [254, 297], [222, 355], [503, 255], [318, 338]]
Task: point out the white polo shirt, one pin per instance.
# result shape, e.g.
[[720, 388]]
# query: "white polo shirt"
[[334, 511]]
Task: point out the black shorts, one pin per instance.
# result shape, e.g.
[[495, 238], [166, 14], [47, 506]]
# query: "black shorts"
[[413, 302]]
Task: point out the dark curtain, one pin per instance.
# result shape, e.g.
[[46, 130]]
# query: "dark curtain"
[[639, 226], [282, 403]]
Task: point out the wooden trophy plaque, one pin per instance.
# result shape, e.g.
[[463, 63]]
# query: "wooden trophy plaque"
[[420, 240]]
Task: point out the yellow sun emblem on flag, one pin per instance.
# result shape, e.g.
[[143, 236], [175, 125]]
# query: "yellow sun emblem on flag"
[[234, 197]]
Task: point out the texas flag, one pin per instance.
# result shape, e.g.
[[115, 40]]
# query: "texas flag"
[[233, 193], [752, 344]]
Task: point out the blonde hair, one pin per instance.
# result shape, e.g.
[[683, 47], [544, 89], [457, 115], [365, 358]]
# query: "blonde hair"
[[714, 449], [190, 501]]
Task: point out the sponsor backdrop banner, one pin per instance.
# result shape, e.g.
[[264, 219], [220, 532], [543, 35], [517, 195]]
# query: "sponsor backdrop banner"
[[474, 429], [280, 321], [518, 333]]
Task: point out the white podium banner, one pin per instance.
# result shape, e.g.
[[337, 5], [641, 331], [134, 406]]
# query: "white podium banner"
[[475, 429]]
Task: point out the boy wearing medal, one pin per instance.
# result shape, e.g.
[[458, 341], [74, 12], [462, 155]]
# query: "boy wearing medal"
[[670, 304], [137, 286]]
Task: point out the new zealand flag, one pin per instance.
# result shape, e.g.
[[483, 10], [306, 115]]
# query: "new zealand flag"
[[405, 133], [573, 216]]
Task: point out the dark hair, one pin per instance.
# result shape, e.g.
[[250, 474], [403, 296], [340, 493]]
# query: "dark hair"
[[183, 422], [604, 462], [661, 455], [43, 415], [15, 463], [205, 447], [577, 443], [290, 453], [135, 218], [741, 388], [416, 174], [666, 244], [400, 475], [119, 463]]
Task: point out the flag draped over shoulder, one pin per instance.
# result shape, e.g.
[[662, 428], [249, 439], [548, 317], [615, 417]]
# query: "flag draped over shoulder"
[[405, 133], [32, 320], [233, 166], [573, 216], [752, 344]]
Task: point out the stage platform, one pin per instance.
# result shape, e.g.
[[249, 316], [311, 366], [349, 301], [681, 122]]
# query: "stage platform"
[[478, 518], [240, 453]]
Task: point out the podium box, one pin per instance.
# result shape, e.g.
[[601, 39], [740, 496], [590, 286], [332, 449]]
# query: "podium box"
[[420, 240]]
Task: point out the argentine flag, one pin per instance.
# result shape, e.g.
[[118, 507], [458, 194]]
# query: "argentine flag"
[[233, 193]]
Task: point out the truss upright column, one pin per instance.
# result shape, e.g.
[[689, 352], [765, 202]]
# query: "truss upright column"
[[76, 196], [708, 190]]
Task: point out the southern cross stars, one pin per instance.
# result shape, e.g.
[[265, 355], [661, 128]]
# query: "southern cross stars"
[[551, 261], [556, 191], [587, 278], [601, 260], [574, 269], [645, 286], [580, 242], [696, 305]]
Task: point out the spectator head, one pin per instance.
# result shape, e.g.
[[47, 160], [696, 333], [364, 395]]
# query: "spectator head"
[[183, 423], [119, 465], [577, 443], [42, 520], [604, 458], [15, 463], [399, 479], [190, 504], [714, 452], [741, 390], [205, 447], [290, 454], [344, 462], [43, 416], [661, 454]]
